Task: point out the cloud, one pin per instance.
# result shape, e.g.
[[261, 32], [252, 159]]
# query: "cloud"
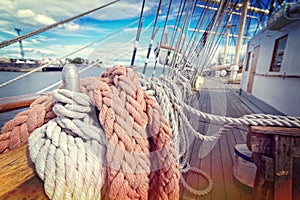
[[71, 27], [25, 13], [43, 19], [30, 17]]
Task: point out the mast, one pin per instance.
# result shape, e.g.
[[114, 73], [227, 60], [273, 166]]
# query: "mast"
[[227, 38], [241, 32]]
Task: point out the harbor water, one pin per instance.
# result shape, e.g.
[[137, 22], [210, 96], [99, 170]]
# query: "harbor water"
[[38, 81]]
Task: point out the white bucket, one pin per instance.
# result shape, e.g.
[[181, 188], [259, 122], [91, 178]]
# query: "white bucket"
[[244, 170]]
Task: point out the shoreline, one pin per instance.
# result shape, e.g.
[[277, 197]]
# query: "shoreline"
[[16, 69]]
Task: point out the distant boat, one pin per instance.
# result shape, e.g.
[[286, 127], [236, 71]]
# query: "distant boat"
[[52, 68]]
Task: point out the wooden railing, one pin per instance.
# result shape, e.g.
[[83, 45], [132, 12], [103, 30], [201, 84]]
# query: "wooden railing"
[[17, 102], [284, 76]]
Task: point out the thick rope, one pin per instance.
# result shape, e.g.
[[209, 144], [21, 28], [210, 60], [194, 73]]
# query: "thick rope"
[[15, 132], [141, 159], [134, 134], [141, 137], [172, 94], [69, 151]]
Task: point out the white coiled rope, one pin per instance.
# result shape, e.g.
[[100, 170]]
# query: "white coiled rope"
[[69, 150], [171, 96]]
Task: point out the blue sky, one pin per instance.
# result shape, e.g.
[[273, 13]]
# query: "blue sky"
[[30, 15]]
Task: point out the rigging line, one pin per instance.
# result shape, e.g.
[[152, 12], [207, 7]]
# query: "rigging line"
[[206, 45], [187, 29], [73, 52], [217, 43], [86, 68], [173, 40], [198, 48], [158, 48], [22, 37], [175, 62], [261, 16], [191, 46], [138, 34], [195, 50], [152, 37], [248, 25], [173, 36], [213, 52], [120, 54], [213, 44]]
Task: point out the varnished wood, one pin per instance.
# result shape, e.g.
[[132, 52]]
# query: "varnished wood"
[[17, 102], [31, 189], [268, 130], [15, 169], [274, 149]]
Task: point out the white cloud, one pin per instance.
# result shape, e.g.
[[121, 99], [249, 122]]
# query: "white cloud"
[[28, 16], [43, 19], [71, 27], [27, 13]]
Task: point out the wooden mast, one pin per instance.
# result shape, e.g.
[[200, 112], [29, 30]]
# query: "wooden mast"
[[227, 38], [241, 32]]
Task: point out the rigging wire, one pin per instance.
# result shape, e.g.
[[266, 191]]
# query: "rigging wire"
[[138, 35], [190, 46], [207, 45], [92, 65], [22, 37], [152, 37], [69, 54], [158, 48], [177, 21], [203, 40], [221, 33], [174, 60], [175, 30], [261, 17]]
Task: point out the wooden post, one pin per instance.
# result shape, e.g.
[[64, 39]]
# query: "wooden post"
[[274, 149]]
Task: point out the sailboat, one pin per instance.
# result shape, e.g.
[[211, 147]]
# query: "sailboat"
[[184, 60]]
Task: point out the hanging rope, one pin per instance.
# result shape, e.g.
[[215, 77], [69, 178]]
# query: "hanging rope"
[[161, 39], [138, 34], [74, 133], [143, 154], [152, 37]]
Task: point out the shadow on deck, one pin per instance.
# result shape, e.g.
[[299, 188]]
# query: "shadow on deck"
[[216, 158]]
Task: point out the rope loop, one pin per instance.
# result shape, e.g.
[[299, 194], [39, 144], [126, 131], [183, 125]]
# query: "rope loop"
[[201, 173]]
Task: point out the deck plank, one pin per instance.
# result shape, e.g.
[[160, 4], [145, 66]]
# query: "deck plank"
[[219, 162]]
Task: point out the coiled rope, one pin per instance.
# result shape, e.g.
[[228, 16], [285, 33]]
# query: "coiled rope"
[[69, 150], [141, 153]]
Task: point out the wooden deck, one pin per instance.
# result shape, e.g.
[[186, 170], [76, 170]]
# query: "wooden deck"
[[216, 158], [221, 99]]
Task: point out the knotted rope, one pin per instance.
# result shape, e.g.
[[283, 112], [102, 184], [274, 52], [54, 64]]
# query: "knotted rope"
[[144, 163], [141, 159], [15, 132], [69, 151]]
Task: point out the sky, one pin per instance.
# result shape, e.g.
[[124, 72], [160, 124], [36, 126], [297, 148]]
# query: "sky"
[[30, 15]]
